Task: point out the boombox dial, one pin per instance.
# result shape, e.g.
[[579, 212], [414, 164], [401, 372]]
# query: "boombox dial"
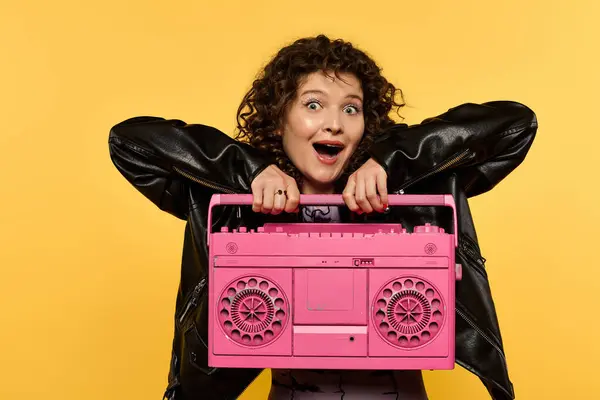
[[252, 311], [408, 312]]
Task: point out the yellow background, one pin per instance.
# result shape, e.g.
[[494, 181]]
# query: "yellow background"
[[89, 268]]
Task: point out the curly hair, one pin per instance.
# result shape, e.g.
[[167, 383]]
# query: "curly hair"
[[263, 107]]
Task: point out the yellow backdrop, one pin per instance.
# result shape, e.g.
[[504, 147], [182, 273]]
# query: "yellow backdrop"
[[89, 268]]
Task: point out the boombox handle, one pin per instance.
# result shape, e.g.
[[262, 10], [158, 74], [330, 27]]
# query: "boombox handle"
[[444, 200]]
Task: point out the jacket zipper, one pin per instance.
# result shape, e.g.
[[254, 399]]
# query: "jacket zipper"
[[170, 391], [204, 182], [471, 243], [445, 165], [478, 330], [469, 255], [475, 254], [193, 301]]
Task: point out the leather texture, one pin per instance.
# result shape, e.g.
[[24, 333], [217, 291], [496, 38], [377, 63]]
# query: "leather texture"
[[465, 152]]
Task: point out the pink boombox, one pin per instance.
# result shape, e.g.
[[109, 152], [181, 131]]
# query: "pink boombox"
[[333, 295]]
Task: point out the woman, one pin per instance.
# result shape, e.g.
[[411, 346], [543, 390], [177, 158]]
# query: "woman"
[[317, 121]]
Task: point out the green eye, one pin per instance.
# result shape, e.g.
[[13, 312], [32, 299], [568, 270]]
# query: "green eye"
[[351, 110], [313, 105]]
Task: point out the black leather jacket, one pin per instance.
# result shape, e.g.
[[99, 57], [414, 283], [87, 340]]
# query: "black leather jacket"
[[464, 152]]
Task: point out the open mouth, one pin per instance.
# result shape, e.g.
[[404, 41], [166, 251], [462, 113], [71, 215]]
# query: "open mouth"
[[329, 150]]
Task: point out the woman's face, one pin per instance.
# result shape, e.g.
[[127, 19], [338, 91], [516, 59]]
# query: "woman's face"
[[322, 128]]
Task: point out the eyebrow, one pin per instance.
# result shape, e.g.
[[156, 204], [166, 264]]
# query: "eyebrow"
[[353, 96]]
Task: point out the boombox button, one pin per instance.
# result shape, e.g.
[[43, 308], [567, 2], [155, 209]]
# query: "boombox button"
[[428, 228], [458, 272]]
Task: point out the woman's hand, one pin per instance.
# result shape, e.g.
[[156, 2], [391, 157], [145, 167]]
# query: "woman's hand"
[[274, 191], [363, 187]]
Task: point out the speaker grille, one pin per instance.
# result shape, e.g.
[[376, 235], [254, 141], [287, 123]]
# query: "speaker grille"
[[408, 312], [252, 311]]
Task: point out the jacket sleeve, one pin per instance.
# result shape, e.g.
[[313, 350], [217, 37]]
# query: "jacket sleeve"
[[161, 158], [482, 143]]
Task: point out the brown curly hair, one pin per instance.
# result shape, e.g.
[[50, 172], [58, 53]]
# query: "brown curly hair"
[[263, 108]]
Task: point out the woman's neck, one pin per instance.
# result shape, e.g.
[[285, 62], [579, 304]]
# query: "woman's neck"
[[315, 188]]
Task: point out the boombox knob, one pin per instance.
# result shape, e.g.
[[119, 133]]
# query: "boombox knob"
[[458, 272], [428, 228]]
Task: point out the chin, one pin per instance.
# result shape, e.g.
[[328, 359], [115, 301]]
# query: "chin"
[[323, 180]]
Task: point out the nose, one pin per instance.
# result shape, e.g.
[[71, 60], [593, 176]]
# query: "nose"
[[333, 123]]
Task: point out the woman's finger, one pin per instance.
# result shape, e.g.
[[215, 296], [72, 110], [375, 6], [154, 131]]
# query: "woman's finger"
[[268, 199], [293, 197], [361, 194], [348, 194], [382, 189], [257, 198], [279, 200], [371, 190]]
